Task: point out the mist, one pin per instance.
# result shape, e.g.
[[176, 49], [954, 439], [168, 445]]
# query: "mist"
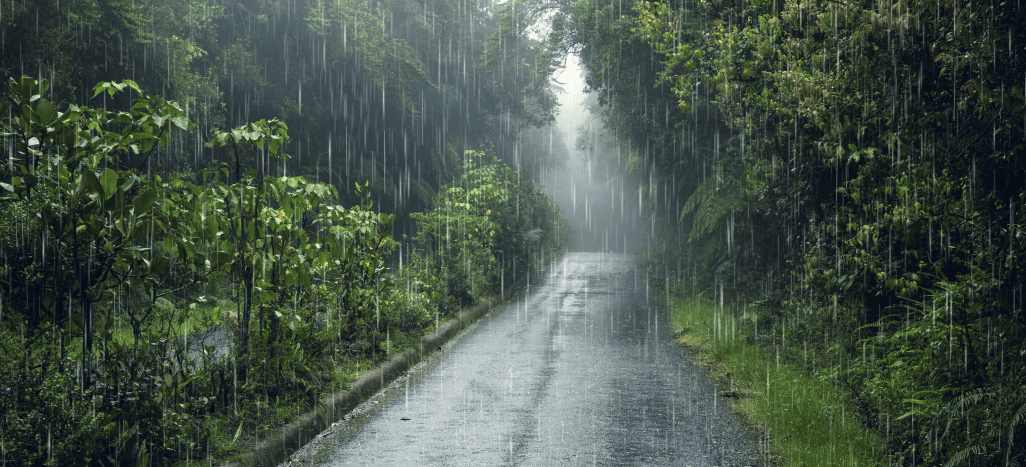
[[592, 188]]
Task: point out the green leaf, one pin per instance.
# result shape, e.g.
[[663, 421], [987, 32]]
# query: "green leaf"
[[142, 203], [133, 85], [222, 258], [44, 85], [108, 182], [45, 111], [237, 433], [180, 122], [92, 183], [159, 264], [183, 252]]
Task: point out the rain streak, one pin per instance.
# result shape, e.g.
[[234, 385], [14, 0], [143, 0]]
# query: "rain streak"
[[516, 232]]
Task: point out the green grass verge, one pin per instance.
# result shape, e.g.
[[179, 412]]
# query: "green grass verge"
[[237, 429], [192, 319], [804, 421]]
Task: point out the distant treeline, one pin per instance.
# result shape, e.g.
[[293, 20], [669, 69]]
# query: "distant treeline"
[[851, 176]]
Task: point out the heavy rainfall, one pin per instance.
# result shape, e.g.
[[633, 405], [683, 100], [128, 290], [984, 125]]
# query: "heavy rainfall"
[[527, 232]]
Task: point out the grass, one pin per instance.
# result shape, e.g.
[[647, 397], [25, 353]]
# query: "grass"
[[804, 421], [196, 319], [235, 429]]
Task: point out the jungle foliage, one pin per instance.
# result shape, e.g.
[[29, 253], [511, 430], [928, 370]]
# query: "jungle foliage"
[[389, 92], [484, 227], [851, 174], [106, 270], [129, 221]]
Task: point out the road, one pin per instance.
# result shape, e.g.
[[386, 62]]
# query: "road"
[[581, 371]]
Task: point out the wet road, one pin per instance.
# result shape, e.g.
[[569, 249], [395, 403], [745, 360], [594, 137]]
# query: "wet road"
[[581, 371]]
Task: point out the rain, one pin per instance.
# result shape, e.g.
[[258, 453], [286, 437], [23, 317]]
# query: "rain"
[[528, 232]]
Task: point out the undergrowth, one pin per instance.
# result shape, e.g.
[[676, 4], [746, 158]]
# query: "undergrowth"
[[802, 421]]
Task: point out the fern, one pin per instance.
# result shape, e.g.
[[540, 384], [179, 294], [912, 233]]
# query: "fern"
[[960, 458], [710, 203], [1019, 417], [953, 410]]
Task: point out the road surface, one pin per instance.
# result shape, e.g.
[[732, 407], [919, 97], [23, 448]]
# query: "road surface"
[[581, 371]]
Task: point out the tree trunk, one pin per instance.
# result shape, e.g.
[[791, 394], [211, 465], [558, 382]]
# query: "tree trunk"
[[247, 306]]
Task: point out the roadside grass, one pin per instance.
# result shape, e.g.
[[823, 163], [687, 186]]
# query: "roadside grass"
[[237, 429], [192, 319], [802, 420], [234, 429], [189, 320]]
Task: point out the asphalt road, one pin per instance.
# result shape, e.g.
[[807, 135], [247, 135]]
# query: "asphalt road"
[[581, 371]]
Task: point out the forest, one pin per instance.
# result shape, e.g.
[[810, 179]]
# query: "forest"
[[164, 180], [846, 180]]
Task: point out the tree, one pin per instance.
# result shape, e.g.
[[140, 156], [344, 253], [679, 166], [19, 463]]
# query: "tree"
[[95, 218], [871, 159]]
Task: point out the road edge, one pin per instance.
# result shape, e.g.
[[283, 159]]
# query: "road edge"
[[330, 408]]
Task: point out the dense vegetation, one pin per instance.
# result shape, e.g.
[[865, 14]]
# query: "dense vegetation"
[[106, 270], [130, 222], [847, 177], [844, 177], [103, 284], [391, 92]]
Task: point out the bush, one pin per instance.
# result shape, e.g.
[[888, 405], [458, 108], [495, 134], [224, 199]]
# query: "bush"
[[487, 229]]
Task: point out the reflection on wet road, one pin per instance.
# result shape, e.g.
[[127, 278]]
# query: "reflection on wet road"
[[579, 372]]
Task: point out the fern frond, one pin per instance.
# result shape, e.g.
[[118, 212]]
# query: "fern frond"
[[1020, 415], [710, 204], [952, 410], [959, 459]]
